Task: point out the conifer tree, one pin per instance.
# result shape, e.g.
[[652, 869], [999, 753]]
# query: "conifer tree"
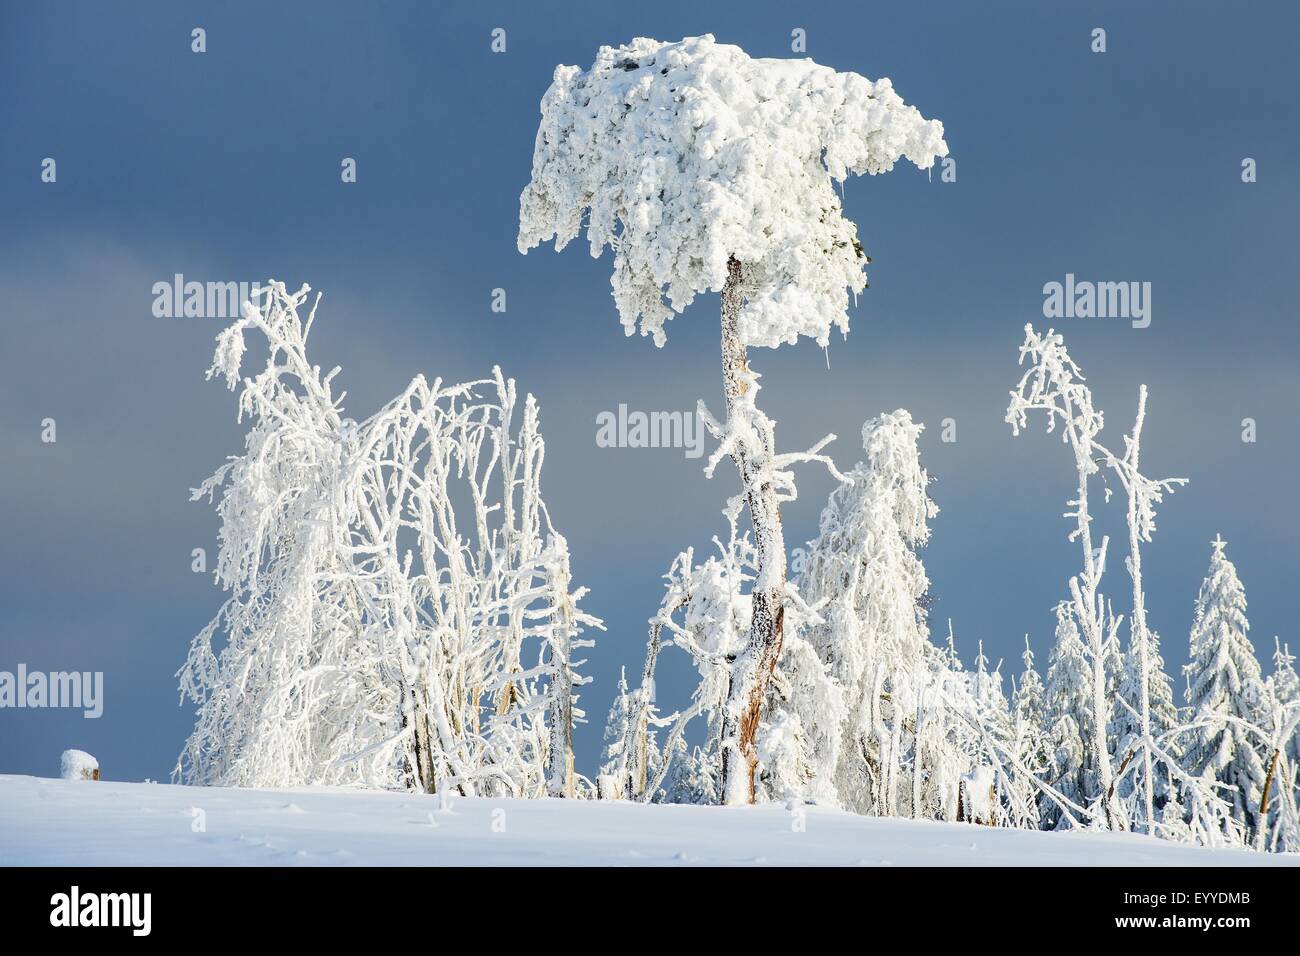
[[1069, 714], [1029, 714], [1225, 690]]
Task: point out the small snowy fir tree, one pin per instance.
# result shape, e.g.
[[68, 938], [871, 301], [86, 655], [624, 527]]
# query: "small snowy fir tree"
[[618, 732], [1225, 691], [400, 612], [707, 170], [1029, 716], [1069, 714], [1284, 687], [987, 687]]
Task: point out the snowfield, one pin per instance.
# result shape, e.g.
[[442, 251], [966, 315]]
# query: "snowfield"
[[47, 822]]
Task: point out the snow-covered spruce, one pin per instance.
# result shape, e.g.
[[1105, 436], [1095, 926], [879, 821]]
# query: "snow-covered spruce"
[[1029, 716], [1226, 692], [1069, 715], [1284, 687], [705, 169], [400, 612]]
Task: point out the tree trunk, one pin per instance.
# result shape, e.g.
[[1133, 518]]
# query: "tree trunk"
[[560, 758], [638, 723], [1262, 826], [1138, 622], [752, 669]]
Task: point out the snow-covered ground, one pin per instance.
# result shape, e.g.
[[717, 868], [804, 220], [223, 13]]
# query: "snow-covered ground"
[[62, 822]]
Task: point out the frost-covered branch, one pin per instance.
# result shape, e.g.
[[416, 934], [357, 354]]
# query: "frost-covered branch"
[[387, 579]]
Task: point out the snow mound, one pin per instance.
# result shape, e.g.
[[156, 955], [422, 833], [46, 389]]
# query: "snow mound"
[[78, 765]]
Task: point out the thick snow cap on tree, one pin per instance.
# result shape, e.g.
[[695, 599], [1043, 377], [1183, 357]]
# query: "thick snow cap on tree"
[[684, 155]]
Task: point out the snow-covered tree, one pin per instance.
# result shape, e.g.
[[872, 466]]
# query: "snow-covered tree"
[[1278, 826], [1281, 800], [400, 612], [1069, 714], [1144, 698], [1284, 688], [864, 576], [706, 613], [1226, 693], [1143, 662], [1054, 384], [706, 170], [1029, 715], [703, 613], [989, 697]]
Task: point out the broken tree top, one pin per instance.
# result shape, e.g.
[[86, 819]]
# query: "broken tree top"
[[684, 155]]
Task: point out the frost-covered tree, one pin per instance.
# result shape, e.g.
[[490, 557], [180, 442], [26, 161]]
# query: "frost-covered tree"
[[863, 574], [1283, 683], [618, 733], [989, 697], [706, 170], [1282, 780], [706, 613], [1069, 713], [1284, 688], [1279, 809], [1143, 663], [400, 613], [1029, 715], [1054, 384], [1225, 690], [1144, 698], [977, 764]]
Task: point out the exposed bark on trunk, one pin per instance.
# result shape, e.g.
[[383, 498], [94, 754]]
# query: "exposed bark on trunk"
[[753, 667], [1122, 767], [1261, 827], [423, 769]]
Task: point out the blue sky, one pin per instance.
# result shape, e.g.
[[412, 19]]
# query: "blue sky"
[[1121, 166]]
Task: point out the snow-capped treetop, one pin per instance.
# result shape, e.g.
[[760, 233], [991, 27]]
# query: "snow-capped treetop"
[[685, 155], [1225, 688], [1223, 672], [1284, 683], [863, 562], [1028, 703]]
